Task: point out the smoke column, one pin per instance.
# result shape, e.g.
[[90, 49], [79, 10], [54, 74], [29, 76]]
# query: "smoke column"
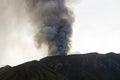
[[52, 22]]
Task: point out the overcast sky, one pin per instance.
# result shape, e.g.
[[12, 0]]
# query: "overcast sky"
[[97, 26], [96, 29]]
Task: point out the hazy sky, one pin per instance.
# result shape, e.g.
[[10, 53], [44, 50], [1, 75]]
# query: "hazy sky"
[[97, 26], [96, 29]]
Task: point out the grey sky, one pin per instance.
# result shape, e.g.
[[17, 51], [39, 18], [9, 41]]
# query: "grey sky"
[[97, 26]]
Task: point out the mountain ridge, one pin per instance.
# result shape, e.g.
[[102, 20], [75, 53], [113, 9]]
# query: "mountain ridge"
[[91, 66]]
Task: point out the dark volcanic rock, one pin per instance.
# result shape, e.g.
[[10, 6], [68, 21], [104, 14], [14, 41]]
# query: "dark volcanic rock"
[[73, 67]]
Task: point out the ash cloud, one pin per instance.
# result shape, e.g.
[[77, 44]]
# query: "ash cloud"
[[52, 21]]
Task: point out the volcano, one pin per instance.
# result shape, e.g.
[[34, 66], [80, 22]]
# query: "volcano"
[[92, 66]]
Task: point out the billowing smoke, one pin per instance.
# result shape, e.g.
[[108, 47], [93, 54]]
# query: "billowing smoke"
[[52, 22]]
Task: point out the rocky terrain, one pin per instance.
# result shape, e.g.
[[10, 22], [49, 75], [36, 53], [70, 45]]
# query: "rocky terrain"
[[92, 66]]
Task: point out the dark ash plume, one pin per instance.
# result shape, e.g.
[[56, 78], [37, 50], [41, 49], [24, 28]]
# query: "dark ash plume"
[[52, 22]]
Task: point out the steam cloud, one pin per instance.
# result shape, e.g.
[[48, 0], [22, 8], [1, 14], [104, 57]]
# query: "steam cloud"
[[52, 22]]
